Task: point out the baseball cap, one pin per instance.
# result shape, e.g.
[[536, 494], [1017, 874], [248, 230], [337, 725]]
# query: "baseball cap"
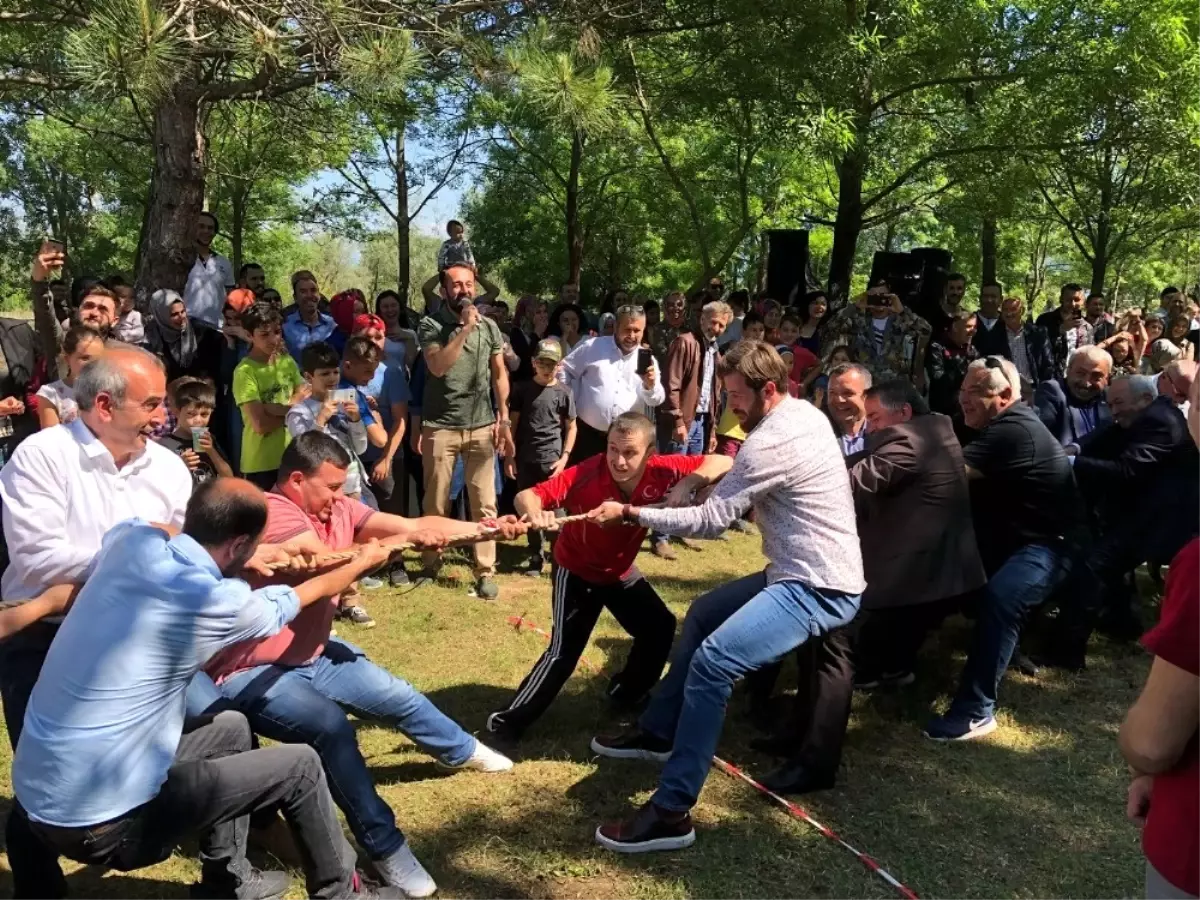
[[549, 349]]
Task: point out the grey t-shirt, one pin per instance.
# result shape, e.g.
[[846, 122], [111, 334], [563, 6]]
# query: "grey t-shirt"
[[543, 411]]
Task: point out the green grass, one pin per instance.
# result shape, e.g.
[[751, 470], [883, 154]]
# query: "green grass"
[[1034, 810]]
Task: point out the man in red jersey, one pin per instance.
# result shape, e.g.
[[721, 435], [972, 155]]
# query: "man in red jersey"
[[594, 566], [1160, 738]]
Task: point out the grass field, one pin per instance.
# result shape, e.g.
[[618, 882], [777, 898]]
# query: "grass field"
[[1035, 810]]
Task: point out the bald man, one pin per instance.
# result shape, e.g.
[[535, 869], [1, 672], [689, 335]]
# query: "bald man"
[[107, 771], [1175, 382]]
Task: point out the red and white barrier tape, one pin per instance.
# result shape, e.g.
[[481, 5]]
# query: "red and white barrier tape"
[[733, 771]]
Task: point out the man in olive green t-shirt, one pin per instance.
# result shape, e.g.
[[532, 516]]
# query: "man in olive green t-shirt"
[[465, 363]]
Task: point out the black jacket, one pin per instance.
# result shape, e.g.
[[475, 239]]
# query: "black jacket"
[[20, 346], [1150, 468]]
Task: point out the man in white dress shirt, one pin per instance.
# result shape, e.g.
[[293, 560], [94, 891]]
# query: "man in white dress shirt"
[[63, 489], [602, 374], [211, 276]]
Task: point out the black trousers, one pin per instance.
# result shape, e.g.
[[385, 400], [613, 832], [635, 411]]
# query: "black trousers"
[[887, 641], [824, 691], [588, 442], [576, 605], [34, 864], [1098, 581], [529, 474], [214, 784]]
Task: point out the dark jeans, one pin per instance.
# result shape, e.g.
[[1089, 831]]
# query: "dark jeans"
[[21, 658], [1019, 586], [307, 705], [728, 633], [887, 640], [1098, 582], [530, 473], [214, 784], [577, 604], [693, 446]]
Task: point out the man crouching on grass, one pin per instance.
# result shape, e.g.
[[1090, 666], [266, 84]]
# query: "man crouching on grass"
[[594, 567], [791, 472]]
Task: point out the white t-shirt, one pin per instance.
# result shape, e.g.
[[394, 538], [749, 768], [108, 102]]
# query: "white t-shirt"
[[208, 283], [61, 396]]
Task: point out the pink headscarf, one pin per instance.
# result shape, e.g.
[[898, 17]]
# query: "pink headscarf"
[[341, 307]]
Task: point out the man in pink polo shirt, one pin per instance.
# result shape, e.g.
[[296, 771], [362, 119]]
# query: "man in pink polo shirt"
[[295, 686]]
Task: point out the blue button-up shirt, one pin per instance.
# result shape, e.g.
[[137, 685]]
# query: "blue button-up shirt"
[[298, 334], [106, 716]]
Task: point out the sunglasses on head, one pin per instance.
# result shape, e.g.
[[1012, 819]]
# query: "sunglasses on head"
[[631, 309]]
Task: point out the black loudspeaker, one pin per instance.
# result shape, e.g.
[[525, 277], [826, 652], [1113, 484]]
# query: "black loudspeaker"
[[901, 272], [787, 263], [938, 264]]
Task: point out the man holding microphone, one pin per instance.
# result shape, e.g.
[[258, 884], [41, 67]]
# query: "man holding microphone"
[[464, 355]]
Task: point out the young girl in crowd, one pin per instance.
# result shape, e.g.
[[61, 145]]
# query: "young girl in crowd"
[[531, 323], [400, 341], [772, 314], [812, 314], [838, 356], [1177, 334], [128, 327], [56, 401], [566, 324]]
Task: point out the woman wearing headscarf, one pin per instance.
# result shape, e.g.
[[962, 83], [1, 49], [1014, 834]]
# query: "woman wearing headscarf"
[[185, 347], [343, 308]]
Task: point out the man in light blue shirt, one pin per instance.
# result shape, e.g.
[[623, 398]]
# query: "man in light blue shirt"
[[308, 324], [108, 773]]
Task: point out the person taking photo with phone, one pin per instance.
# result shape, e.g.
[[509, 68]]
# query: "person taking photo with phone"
[[610, 376]]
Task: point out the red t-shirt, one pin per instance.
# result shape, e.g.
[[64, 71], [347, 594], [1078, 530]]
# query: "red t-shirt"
[[301, 640], [1173, 823], [605, 555]]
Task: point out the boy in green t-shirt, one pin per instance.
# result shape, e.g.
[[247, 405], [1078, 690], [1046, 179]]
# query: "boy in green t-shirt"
[[266, 384]]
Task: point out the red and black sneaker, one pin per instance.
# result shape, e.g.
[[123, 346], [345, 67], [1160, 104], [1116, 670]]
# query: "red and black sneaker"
[[634, 744], [652, 829]]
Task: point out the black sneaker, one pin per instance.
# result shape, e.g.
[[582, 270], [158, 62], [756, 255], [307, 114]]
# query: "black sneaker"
[[364, 888], [870, 682], [259, 886], [649, 830], [635, 744]]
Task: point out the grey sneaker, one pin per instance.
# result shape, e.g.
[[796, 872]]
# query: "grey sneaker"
[[370, 583], [402, 870], [398, 577], [357, 615], [486, 588]]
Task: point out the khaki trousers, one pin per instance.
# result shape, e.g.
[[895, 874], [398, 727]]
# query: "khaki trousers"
[[440, 449]]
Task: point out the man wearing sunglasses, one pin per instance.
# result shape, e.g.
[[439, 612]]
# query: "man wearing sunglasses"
[[1028, 517]]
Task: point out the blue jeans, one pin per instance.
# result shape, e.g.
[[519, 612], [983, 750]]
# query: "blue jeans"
[[304, 705], [1020, 585], [693, 446], [728, 633]]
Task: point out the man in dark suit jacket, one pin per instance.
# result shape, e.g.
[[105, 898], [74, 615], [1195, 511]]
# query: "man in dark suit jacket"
[[1141, 476], [989, 330], [1072, 407], [920, 559]]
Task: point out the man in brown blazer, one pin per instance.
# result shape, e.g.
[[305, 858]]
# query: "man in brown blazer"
[[919, 558], [687, 419]]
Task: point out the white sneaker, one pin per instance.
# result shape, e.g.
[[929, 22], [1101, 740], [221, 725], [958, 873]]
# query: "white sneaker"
[[402, 870], [484, 759]]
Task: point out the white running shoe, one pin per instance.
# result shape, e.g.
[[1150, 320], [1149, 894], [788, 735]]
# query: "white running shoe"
[[484, 759], [402, 870]]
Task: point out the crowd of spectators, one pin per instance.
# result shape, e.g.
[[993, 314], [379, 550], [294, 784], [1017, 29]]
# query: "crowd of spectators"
[[998, 465]]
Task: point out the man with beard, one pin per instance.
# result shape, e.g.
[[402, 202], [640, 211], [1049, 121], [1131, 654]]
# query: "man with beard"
[[673, 324], [1073, 406], [464, 358], [211, 275], [307, 324], [791, 471]]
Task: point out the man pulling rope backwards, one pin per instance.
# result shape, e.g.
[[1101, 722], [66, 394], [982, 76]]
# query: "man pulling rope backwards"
[[594, 567]]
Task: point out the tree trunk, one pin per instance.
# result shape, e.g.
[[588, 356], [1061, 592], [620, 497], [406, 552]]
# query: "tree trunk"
[[237, 228], [403, 223], [987, 249], [574, 231], [1100, 259], [760, 271], [847, 225], [143, 299], [177, 196]]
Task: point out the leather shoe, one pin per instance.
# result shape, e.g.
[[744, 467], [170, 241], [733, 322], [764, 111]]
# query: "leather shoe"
[[795, 778]]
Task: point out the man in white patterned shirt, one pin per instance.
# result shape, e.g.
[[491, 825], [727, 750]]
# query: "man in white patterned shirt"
[[790, 470], [602, 375]]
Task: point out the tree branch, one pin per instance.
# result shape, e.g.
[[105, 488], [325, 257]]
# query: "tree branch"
[[942, 82]]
